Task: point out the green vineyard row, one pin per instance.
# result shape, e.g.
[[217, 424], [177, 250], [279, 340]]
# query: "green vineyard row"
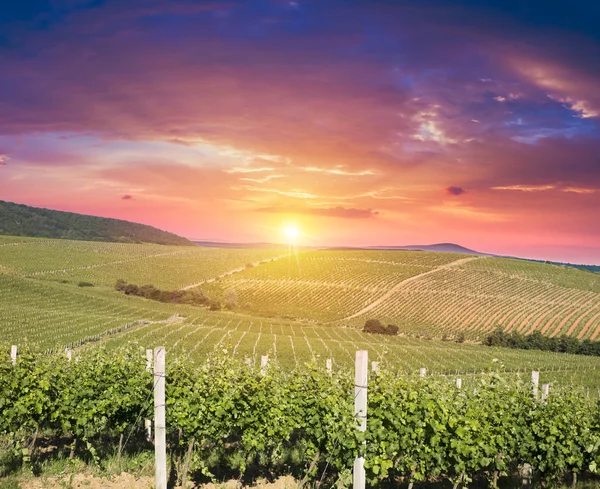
[[241, 421]]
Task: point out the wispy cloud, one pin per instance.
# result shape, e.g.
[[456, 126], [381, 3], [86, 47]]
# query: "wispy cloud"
[[526, 188], [244, 169], [262, 180], [337, 212]]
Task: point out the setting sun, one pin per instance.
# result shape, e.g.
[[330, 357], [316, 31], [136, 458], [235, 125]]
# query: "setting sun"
[[291, 232]]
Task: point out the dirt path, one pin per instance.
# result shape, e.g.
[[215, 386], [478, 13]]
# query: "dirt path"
[[400, 285], [128, 481]]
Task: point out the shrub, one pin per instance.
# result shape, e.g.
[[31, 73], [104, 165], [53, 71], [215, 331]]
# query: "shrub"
[[120, 285], [374, 326], [392, 329], [131, 289], [85, 284]]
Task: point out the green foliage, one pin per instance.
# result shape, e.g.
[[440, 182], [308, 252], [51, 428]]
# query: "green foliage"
[[537, 341], [245, 423], [23, 220], [376, 327]]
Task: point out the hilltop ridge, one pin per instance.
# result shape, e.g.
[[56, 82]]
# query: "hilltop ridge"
[[35, 222]]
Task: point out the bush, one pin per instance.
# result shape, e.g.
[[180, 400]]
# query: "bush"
[[392, 329], [120, 285], [131, 289], [85, 284], [374, 326]]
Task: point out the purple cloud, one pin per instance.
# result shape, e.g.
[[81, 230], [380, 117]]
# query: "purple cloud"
[[452, 190], [127, 197]]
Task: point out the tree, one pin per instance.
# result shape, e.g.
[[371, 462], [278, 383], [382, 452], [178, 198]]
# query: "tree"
[[392, 329], [374, 326], [131, 289]]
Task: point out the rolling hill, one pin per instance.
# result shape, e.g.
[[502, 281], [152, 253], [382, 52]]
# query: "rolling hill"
[[294, 308], [24, 220]]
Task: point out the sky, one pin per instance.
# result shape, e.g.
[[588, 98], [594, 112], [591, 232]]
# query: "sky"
[[361, 122]]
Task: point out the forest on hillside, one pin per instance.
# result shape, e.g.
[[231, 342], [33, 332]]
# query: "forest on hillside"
[[23, 220]]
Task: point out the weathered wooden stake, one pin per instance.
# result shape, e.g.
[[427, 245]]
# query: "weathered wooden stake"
[[360, 412], [160, 428], [459, 383], [535, 381], [69, 353], [147, 422], [375, 367], [329, 366], [264, 360], [13, 354], [422, 372]]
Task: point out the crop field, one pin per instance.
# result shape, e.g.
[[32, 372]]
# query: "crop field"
[[326, 285], [169, 267], [481, 295], [298, 309], [291, 344]]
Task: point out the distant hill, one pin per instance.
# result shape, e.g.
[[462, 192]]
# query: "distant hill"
[[438, 247], [24, 220]]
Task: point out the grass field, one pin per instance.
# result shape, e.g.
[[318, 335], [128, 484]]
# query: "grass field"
[[296, 309]]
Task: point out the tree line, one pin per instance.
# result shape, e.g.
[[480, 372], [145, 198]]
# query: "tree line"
[[537, 341], [191, 297]]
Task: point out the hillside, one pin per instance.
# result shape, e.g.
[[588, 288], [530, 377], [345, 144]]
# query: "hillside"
[[24, 220], [437, 248], [309, 305]]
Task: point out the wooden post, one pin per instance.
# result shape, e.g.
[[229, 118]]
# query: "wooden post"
[[264, 360], [422, 372], [459, 383], [545, 392], [375, 367], [147, 422], [69, 353], [160, 429], [329, 366], [13, 354], [535, 381], [360, 412]]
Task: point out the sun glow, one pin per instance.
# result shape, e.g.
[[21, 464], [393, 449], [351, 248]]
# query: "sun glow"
[[291, 232]]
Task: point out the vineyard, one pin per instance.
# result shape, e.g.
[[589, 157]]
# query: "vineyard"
[[292, 308], [326, 285], [300, 312], [170, 267], [481, 295], [228, 419]]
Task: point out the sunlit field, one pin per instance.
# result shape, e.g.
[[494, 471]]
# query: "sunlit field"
[[297, 307]]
